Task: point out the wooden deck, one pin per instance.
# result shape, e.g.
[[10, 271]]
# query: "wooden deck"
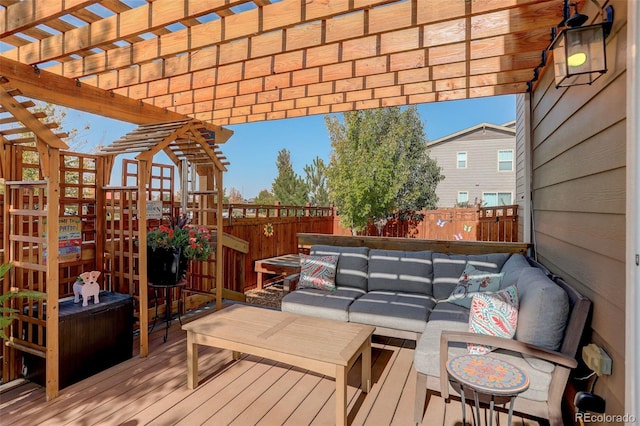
[[251, 391]]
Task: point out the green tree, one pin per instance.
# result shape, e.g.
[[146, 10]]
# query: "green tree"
[[265, 198], [379, 164], [235, 196], [316, 179], [288, 187]]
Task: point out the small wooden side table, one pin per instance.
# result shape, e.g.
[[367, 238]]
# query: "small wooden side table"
[[494, 378]]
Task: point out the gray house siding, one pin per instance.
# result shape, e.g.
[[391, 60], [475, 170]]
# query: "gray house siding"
[[481, 145], [579, 184]]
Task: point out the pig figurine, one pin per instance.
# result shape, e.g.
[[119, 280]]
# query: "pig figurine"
[[87, 286]]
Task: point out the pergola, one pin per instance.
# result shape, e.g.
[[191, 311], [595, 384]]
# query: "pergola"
[[233, 62]]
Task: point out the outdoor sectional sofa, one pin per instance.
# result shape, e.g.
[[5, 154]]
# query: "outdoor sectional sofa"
[[406, 294]]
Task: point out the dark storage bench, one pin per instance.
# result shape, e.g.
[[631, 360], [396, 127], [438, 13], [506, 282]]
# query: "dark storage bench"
[[91, 338]]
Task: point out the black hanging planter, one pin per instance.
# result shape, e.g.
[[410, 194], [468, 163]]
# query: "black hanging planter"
[[165, 266]]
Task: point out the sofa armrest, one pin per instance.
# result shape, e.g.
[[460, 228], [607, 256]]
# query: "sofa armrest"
[[289, 283], [559, 359]]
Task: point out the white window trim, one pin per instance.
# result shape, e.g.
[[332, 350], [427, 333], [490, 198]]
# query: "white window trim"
[[497, 193], [466, 160], [512, 160], [458, 197]]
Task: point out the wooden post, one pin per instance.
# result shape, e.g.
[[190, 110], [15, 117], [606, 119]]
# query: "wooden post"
[[53, 201], [143, 313], [220, 235]]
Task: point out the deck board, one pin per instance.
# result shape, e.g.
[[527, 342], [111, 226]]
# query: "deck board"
[[251, 391]]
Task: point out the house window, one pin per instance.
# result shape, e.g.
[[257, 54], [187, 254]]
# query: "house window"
[[463, 197], [505, 160], [493, 199], [462, 160]]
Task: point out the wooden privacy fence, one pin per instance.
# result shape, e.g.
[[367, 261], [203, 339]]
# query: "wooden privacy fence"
[[271, 230], [458, 224]]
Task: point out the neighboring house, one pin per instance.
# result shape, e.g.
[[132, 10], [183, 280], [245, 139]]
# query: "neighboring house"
[[478, 164]]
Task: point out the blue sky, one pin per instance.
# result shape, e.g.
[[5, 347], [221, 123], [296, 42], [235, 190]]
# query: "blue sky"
[[254, 147]]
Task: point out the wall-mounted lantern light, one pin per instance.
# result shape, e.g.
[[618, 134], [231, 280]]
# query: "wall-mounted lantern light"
[[579, 53]]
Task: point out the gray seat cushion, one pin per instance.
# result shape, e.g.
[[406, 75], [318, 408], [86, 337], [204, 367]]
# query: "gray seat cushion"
[[447, 269], [353, 264], [541, 302], [404, 271], [321, 303], [427, 358], [397, 310], [445, 311]]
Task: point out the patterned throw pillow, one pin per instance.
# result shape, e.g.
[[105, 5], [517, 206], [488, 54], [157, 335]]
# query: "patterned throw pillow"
[[317, 272], [471, 282], [494, 314]]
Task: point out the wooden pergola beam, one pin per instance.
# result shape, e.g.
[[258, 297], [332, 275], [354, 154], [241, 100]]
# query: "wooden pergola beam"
[[342, 37], [41, 130], [58, 90], [23, 15], [144, 19], [389, 77]]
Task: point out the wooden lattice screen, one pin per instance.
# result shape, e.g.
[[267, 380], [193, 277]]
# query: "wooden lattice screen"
[[25, 194], [122, 224], [26, 245]]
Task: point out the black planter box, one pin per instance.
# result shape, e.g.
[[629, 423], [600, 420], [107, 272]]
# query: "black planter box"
[[91, 338]]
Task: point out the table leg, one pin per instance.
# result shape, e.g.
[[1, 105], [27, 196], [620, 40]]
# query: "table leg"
[[259, 282], [477, 403], [192, 362], [463, 401], [167, 317], [341, 395], [513, 399], [366, 367], [491, 410]]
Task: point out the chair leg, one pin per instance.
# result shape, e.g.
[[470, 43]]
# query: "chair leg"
[[421, 397], [555, 416]]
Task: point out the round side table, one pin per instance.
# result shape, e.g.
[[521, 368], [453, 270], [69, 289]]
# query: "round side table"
[[489, 377], [168, 303]]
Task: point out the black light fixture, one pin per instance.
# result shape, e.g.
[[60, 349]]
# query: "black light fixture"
[[579, 53]]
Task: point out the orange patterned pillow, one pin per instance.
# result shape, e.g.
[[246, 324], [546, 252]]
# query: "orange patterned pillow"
[[494, 314]]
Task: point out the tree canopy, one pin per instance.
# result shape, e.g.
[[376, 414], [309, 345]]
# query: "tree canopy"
[[379, 164], [288, 187], [316, 180]]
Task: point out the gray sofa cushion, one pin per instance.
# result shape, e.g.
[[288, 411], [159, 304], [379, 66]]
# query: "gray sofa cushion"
[[397, 310], [353, 264], [403, 271], [447, 269], [512, 269], [445, 311], [321, 303], [544, 310], [426, 358]]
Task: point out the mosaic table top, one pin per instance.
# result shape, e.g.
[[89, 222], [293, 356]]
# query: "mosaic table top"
[[487, 374]]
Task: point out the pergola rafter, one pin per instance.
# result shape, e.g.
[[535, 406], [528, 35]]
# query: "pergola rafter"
[[227, 62]]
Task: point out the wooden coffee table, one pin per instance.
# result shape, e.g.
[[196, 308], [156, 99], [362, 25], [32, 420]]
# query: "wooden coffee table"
[[284, 265], [324, 346]]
